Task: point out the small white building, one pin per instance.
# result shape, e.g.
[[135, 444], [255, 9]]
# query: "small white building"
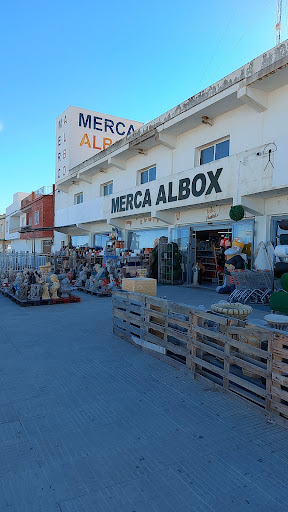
[[14, 221], [180, 174]]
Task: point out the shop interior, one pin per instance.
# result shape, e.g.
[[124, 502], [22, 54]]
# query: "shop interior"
[[208, 247]]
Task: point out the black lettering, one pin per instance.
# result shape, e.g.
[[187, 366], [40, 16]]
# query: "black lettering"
[[147, 198], [115, 205], [117, 128], [131, 129], [97, 123], [129, 202], [109, 125], [171, 198], [137, 204], [184, 190], [161, 195], [214, 181], [199, 192], [82, 120], [122, 204]]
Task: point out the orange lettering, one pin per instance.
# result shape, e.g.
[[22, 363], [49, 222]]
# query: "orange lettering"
[[65, 120], [64, 153], [106, 142], [64, 138], [85, 140], [64, 170], [94, 142]]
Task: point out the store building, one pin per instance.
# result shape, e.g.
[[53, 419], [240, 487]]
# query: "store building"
[[180, 174], [32, 221]]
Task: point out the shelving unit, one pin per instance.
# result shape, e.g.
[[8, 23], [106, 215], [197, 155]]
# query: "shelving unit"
[[208, 258]]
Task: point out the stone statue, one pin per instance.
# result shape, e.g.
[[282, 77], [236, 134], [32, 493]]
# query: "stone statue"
[[45, 291], [55, 286], [81, 280], [34, 292], [65, 287], [23, 292]]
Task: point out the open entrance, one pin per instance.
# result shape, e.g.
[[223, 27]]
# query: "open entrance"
[[207, 251]]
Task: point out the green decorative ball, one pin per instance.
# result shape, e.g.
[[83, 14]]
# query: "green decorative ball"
[[284, 282], [236, 212]]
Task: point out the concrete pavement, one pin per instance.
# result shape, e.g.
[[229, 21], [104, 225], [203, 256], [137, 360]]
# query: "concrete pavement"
[[89, 423]]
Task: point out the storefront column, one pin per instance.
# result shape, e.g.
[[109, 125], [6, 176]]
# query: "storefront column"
[[91, 239], [262, 230]]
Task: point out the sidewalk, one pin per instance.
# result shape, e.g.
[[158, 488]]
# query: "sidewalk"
[[89, 423]]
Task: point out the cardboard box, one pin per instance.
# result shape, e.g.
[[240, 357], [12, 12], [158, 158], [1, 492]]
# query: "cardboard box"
[[144, 285]]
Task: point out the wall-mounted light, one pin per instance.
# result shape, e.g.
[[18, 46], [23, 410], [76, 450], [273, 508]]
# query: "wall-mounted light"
[[206, 120]]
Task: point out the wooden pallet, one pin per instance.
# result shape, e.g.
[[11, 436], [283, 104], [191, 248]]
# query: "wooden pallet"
[[42, 302], [212, 347], [279, 390], [66, 300]]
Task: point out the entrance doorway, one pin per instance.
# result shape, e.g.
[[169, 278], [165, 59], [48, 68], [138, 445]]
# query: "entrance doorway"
[[207, 251]]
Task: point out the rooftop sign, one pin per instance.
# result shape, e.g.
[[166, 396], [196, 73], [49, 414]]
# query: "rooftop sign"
[[80, 134]]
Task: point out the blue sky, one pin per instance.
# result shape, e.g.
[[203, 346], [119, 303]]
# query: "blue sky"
[[128, 59]]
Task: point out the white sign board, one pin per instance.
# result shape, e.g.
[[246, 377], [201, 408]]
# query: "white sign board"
[[80, 134]]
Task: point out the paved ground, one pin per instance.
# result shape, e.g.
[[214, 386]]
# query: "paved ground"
[[89, 423], [204, 296]]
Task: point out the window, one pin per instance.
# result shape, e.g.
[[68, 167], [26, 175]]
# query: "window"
[[108, 188], [214, 152], [101, 239], [148, 175], [36, 217], [30, 221], [78, 198]]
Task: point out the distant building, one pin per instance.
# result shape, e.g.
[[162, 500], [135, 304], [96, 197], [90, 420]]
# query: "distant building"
[[31, 221], [12, 224], [3, 242]]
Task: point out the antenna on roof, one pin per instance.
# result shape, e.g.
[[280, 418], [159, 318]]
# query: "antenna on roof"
[[278, 22]]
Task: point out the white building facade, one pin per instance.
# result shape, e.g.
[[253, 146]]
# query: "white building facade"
[[14, 220], [180, 174]]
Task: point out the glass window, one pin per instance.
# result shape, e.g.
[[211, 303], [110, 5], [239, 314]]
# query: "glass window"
[[145, 238], [100, 240], [152, 174], [207, 155], [222, 149], [78, 198], [148, 175], [108, 188], [144, 177], [36, 217], [214, 152], [80, 241]]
